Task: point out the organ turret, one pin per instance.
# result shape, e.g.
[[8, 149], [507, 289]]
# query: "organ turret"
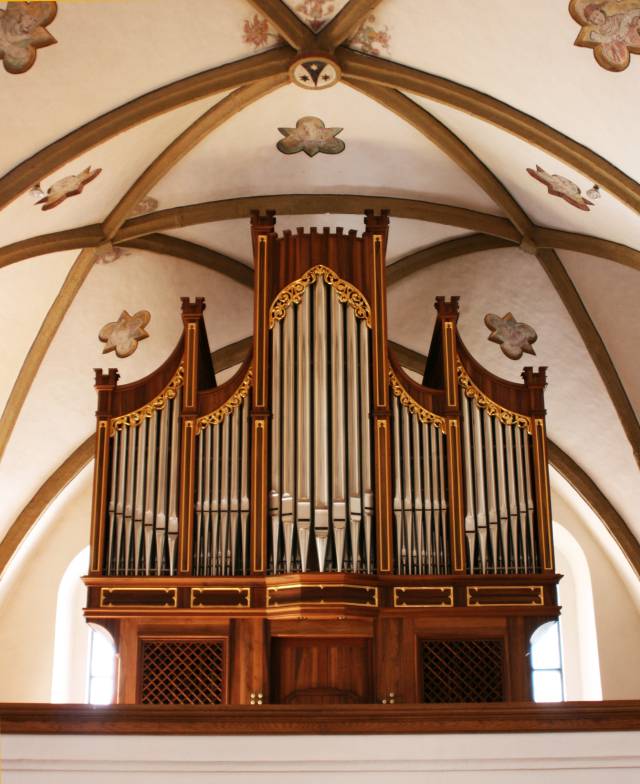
[[321, 527]]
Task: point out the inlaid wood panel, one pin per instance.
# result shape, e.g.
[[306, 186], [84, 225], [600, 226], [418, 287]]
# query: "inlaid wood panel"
[[321, 671]]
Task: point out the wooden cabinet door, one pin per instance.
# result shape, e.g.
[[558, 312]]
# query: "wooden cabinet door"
[[320, 671]]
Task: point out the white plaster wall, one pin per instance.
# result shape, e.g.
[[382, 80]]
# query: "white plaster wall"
[[570, 758], [29, 593], [617, 612]]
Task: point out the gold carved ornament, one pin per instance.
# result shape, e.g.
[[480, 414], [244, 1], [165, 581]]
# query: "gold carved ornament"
[[292, 294], [424, 415], [505, 415], [216, 417], [135, 418]]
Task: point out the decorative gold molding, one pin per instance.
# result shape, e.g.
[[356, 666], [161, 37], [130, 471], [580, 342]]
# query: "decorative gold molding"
[[424, 415], [217, 416], [135, 418], [292, 294], [505, 415]]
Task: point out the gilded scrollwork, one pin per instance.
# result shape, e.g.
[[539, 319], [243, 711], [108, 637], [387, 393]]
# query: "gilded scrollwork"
[[424, 415], [505, 415], [216, 417], [134, 418], [292, 294]]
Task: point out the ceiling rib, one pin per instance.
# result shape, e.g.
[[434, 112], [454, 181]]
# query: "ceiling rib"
[[425, 257], [451, 146], [206, 257], [234, 354], [344, 24], [568, 293], [294, 31], [152, 104], [225, 109], [359, 67], [72, 283], [312, 204]]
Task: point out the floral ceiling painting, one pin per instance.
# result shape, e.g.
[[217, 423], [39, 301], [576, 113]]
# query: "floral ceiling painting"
[[310, 136], [513, 337], [123, 335], [611, 28], [23, 31], [561, 187], [370, 38]]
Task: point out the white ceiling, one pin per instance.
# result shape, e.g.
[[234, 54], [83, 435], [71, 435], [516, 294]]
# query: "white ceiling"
[[109, 53]]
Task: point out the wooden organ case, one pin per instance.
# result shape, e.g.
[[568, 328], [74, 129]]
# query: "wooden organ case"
[[321, 528]]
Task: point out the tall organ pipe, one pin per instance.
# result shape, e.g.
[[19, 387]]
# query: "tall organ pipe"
[[303, 450], [173, 484], [289, 426], [354, 428], [338, 427], [367, 484], [138, 512], [320, 422], [276, 438]]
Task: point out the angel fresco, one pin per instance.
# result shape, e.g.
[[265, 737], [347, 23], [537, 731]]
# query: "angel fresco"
[[22, 31], [611, 28]]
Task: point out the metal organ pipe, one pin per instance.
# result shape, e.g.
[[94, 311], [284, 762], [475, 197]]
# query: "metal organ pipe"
[[499, 508], [338, 427], [320, 442], [321, 436], [419, 488], [354, 428]]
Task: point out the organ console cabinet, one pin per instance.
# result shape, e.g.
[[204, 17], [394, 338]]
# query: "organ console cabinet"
[[321, 528]]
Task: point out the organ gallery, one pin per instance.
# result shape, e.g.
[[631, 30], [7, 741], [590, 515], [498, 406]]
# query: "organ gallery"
[[322, 527]]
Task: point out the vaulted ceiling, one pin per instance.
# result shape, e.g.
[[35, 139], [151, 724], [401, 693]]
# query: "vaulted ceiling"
[[443, 106]]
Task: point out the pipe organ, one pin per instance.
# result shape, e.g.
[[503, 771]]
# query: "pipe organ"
[[321, 528]]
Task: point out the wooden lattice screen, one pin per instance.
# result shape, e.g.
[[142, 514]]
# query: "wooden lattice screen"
[[463, 670], [182, 672]]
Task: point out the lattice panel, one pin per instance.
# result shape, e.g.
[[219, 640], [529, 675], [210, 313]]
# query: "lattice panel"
[[182, 672], [463, 670]]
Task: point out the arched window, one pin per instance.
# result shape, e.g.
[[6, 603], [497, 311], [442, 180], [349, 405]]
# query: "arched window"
[[83, 658], [546, 663], [101, 669]]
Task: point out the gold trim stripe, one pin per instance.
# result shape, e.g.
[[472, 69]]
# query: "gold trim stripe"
[[292, 294], [424, 415], [217, 416], [135, 418], [505, 415]]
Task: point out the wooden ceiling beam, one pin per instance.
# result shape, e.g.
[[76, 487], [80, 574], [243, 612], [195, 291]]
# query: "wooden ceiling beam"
[[310, 204], [152, 104], [293, 30], [377, 70], [344, 24], [451, 146], [594, 344], [584, 243]]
